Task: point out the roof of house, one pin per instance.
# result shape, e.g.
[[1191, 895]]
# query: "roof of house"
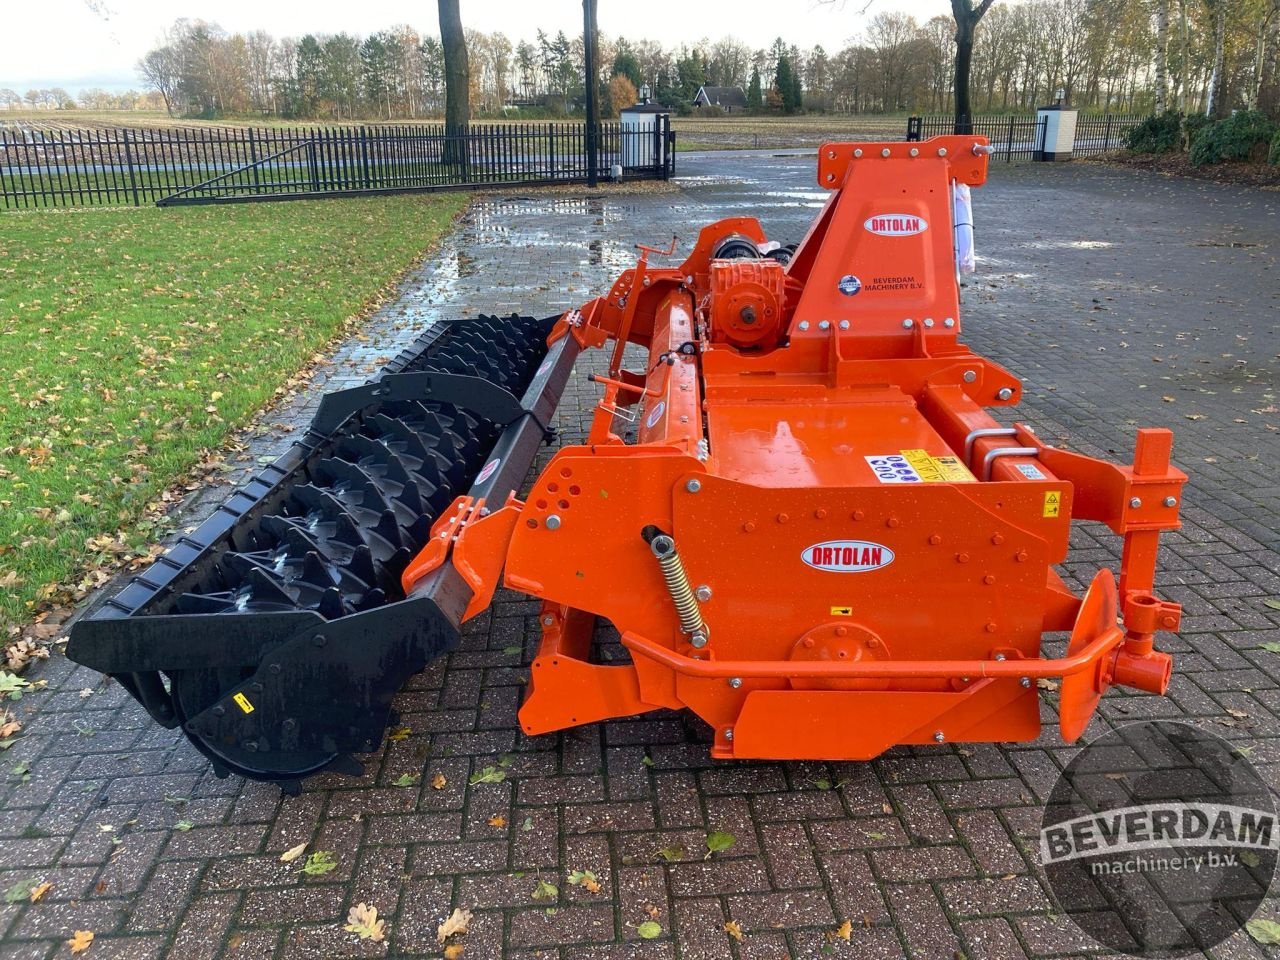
[[722, 96]]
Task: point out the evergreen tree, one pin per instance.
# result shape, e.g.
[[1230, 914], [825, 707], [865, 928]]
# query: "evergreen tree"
[[755, 96], [784, 82]]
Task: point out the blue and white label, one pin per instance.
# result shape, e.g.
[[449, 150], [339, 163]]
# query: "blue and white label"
[[655, 414], [893, 468], [1030, 471], [850, 285]]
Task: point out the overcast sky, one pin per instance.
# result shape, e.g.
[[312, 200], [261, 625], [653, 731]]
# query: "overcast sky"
[[95, 43]]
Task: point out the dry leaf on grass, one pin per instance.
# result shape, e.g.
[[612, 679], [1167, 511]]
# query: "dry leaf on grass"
[[363, 922], [293, 853], [734, 929], [456, 924], [80, 942]]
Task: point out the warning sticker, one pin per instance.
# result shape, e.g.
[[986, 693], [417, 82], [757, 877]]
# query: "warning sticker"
[[893, 468], [243, 702], [1030, 471], [1052, 503], [946, 469], [842, 611]]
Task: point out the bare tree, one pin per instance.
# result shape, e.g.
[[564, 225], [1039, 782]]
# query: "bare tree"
[[457, 79], [967, 17], [160, 70]]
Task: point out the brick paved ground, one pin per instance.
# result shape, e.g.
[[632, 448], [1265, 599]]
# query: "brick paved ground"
[[1153, 302]]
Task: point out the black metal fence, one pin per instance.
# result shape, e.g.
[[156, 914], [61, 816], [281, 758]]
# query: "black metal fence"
[[1021, 137], [171, 165], [1012, 137], [1103, 133]]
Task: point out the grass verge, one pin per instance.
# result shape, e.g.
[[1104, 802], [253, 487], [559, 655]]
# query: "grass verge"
[[132, 341]]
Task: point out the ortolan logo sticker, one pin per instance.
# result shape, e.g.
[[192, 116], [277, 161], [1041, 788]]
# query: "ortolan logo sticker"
[[895, 225], [847, 556], [489, 469], [655, 414]]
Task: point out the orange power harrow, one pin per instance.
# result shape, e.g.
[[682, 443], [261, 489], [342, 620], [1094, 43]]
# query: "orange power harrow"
[[797, 511]]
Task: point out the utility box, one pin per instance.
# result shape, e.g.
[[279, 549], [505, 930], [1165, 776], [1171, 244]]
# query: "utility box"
[[644, 135], [1058, 129]]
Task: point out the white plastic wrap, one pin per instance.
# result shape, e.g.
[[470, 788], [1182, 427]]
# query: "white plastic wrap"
[[965, 258]]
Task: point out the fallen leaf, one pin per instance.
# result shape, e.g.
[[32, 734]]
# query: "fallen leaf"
[[319, 863], [1264, 931], [399, 733], [488, 775], [80, 942], [718, 841], [406, 780], [1044, 683], [527, 825], [734, 929], [1273, 604], [455, 924], [453, 951], [674, 852], [498, 820], [649, 930], [585, 879], [182, 826], [20, 891], [293, 853], [545, 891], [1271, 647], [438, 782], [44, 888], [363, 922], [845, 930], [1238, 714]]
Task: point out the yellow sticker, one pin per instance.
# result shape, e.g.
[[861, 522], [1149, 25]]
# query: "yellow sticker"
[[947, 469], [243, 702], [1052, 503], [842, 612]]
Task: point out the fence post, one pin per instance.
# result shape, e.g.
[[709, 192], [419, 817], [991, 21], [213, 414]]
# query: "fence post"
[[364, 156], [551, 151], [1106, 137], [253, 161], [311, 162], [1008, 154], [128, 159]]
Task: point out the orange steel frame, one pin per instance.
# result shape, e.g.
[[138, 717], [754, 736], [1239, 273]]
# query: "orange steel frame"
[[761, 464]]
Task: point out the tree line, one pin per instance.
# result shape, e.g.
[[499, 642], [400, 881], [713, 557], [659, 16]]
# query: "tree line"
[[1109, 55]]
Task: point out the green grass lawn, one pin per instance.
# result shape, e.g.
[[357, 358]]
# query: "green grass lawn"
[[133, 341]]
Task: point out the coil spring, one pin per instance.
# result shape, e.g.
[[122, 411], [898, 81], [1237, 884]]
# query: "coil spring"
[[691, 622]]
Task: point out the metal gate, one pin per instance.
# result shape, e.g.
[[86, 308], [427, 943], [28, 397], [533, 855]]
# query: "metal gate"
[[1012, 137]]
